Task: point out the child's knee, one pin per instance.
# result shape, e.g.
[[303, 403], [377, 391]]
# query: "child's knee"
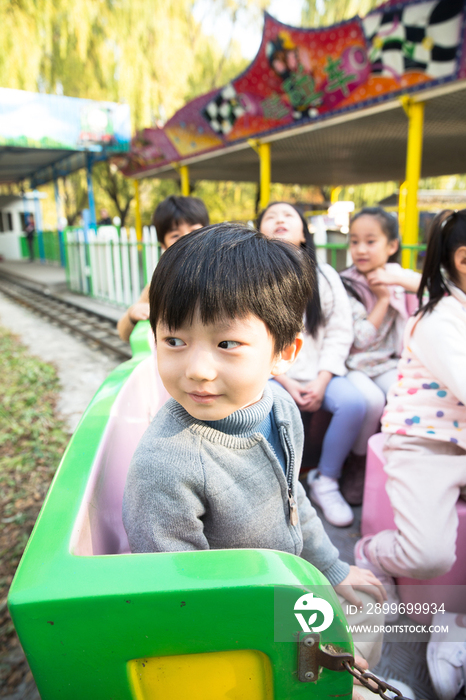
[[354, 407], [358, 407], [435, 566], [428, 564], [375, 402]]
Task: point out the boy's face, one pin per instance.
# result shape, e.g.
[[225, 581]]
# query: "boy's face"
[[213, 370], [181, 230]]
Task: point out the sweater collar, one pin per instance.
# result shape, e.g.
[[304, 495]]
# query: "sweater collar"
[[240, 423], [245, 420]]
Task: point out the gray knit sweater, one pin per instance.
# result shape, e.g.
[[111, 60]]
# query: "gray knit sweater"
[[193, 485]]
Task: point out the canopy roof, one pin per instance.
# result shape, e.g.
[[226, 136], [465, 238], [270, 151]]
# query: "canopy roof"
[[328, 102], [45, 136]]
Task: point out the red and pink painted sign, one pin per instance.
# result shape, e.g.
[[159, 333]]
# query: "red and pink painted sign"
[[303, 75]]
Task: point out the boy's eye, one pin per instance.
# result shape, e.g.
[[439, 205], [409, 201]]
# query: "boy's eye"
[[229, 344], [174, 342]]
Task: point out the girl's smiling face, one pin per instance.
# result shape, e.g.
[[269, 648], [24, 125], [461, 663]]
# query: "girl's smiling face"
[[283, 221], [369, 245]]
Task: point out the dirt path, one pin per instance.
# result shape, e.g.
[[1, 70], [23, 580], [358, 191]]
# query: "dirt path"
[[81, 371]]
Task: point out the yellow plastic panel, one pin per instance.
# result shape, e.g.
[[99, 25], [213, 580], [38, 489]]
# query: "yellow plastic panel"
[[223, 675]]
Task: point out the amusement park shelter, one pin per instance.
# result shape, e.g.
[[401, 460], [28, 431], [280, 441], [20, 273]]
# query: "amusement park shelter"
[[45, 137], [371, 99]]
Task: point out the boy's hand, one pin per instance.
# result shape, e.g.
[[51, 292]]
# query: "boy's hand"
[[138, 312], [364, 580]]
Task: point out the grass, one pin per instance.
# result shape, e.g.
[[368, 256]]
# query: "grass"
[[32, 441]]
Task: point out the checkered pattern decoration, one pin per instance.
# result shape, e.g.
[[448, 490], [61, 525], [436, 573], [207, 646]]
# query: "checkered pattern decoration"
[[422, 36], [223, 111]]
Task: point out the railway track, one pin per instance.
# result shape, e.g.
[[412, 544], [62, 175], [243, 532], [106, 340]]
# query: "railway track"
[[95, 327]]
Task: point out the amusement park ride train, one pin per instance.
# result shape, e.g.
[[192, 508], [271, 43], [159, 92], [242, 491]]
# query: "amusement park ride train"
[[96, 621]]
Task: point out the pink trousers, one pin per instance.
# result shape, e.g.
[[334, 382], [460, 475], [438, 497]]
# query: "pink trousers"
[[425, 479]]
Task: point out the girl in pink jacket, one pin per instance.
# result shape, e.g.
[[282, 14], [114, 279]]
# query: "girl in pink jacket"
[[378, 289]]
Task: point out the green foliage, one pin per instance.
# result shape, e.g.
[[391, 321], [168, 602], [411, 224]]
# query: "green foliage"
[[32, 441], [326, 12], [74, 193], [151, 54], [118, 188], [148, 53]]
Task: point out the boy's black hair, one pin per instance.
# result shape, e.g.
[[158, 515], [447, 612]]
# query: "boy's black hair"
[[447, 233], [175, 210], [314, 313], [229, 271]]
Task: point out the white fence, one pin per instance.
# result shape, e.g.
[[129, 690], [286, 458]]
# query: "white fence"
[[111, 264]]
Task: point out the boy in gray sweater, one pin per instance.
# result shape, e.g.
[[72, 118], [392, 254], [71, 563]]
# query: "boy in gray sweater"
[[218, 466]]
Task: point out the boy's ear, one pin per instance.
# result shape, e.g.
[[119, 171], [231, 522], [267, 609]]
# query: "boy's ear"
[[287, 356]]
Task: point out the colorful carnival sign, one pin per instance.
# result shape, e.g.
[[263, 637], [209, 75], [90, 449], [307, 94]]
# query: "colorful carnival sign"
[[303, 75], [33, 120]]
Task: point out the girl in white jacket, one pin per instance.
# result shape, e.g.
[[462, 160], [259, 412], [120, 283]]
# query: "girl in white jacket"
[[425, 418], [317, 379]]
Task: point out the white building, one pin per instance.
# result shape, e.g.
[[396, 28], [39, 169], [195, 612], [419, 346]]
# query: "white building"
[[12, 212]]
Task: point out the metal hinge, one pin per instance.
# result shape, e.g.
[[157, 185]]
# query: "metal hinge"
[[311, 658]]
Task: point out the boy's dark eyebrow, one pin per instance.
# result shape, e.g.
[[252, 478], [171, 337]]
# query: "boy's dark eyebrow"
[[222, 326]]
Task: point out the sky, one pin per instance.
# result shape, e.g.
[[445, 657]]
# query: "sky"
[[248, 36]]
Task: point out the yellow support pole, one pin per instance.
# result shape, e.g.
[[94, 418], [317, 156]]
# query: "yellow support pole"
[[402, 207], [334, 194], [415, 111], [263, 150], [184, 175], [138, 211], [265, 172]]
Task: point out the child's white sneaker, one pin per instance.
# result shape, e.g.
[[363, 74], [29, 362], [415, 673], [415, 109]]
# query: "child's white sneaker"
[[325, 492], [388, 582], [446, 659]]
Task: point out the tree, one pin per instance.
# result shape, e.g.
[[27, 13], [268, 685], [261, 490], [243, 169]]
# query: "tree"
[[118, 188], [74, 196], [327, 12], [151, 54]]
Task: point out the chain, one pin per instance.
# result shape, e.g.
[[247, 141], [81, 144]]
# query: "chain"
[[364, 677]]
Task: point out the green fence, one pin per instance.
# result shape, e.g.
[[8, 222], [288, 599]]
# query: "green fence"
[[51, 246], [416, 256]]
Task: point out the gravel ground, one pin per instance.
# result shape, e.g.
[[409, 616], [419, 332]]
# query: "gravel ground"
[[80, 368]]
